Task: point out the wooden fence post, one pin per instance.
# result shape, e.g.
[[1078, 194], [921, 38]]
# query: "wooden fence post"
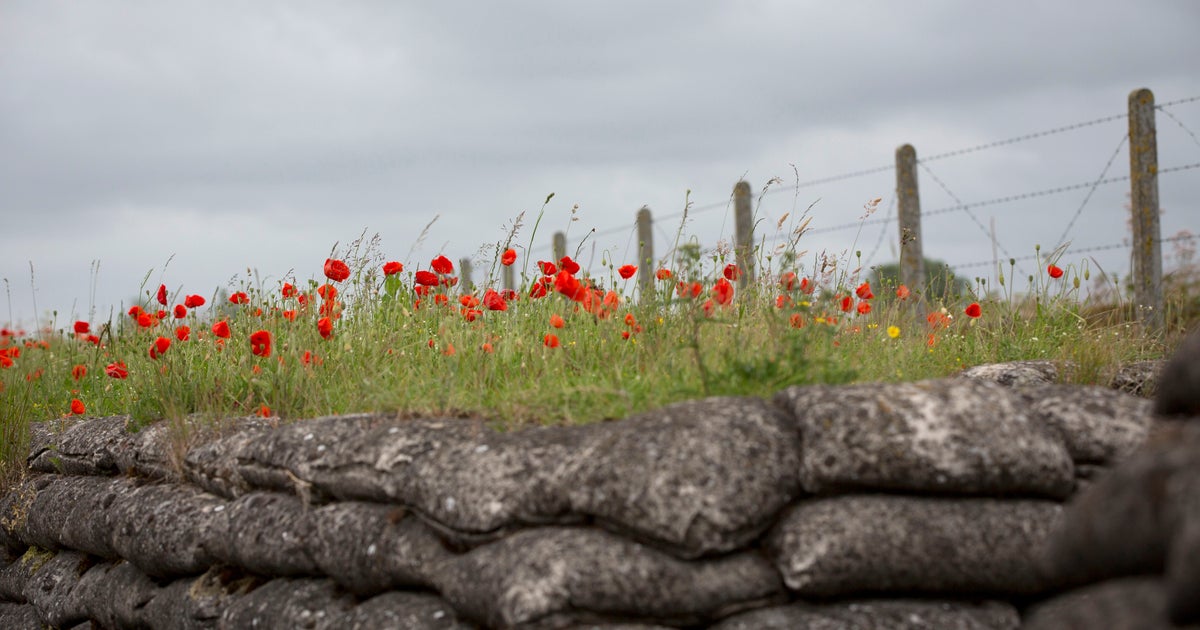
[[645, 255], [464, 275], [912, 260], [560, 246], [509, 278], [1147, 239], [743, 214]]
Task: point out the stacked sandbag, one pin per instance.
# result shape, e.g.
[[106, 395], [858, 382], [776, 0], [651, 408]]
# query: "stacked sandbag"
[[1131, 541], [875, 506]]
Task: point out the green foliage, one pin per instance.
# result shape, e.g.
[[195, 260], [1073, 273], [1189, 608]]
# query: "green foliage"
[[941, 285]]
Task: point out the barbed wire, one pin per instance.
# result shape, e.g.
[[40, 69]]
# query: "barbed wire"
[[1095, 185], [1182, 126], [1083, 250], [965, 208]]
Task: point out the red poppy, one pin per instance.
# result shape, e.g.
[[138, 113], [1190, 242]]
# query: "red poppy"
[[864, 307], [327, 291], [630, 320], [864, 291], [221, 329], [134, 311], [82, 328], [392, 268], [847, 303], [116, 370], [146, 320], [289, 290], [938, 319], [193, 301], [566, 264], [442, 265], [508, 257], [788, 281], [663, 274], [183, 333], [547, 268], [550, 340], [161, 314], [731, 272], [782, 301], [450, 281], [162, 294], [470, 314], [568, 285], [723, 291], [325, 327], [160, 347], [336, 270], [239, 298], [796, 320], [93, 339], [902, 292], [78, 372], [556, 321], [438, 299], [289, 315], [260, 343], [807, 286], [1054, 271], [493, 301], [973, 310], [180, 311], [264, 411], [426, 278], [508, 294], [627, 271], [538, 290], [77, 407]]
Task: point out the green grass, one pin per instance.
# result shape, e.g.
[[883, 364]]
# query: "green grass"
[[387, 352]]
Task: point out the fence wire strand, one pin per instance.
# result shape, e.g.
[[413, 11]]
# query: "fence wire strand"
[[1062, 239], [964, 207], [1082, 250]]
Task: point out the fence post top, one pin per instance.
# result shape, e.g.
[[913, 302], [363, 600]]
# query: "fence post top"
[[644, 210], [741, 188], [906, 151], [1141, 95]]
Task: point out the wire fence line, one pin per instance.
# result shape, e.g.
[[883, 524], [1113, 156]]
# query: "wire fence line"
[[1082, 250]]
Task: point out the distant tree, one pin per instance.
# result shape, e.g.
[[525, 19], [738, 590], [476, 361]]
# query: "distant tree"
[[940, 281]]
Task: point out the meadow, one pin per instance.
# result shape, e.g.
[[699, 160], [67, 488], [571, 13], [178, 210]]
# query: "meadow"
[[366, 333]]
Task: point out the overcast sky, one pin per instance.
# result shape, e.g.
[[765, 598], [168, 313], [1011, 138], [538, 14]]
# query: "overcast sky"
[[233, 135]]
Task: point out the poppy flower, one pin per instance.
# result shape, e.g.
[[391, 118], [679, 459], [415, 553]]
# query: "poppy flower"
[[470, 314], [289, 290], [183, 333], [788, 281], [327, 291], [146, 320], [847, 303], [550, 340], [557, 321], [731, 272], [723, 291], [973, 310], [547, 268], [134, 311], [567, 284], [77, 407], [116, 370], [289, 315], [264, 411], [78, 372], [162, 294], [627, 271], [782, 301], [864, 291], [239, 298], [336, 270], [193, 301], [221, 329], [487, 347], [796, 320], [1054, 271], [508, 294], [450, 281], [493, 301], [180, 311], [707, 307], [807, 286], [663, 274], [538, 290], [93, 339], [442, 265], [938, 319], [630, 320], [864, 307], [260, 343], [160, 347], [469, 301], [902, 292], [426, 278], [566, 264], [508, 257], [82, 328], [392, 268], [438, 299], [325, 327]]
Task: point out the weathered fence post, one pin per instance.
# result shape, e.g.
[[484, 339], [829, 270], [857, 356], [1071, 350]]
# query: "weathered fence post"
[[743, 214], [645, 255], [912, 261], [464, 275], [560, 246], [1147, 240], [509, 279]]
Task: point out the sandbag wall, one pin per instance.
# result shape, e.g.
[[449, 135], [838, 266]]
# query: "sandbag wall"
[[884, 505]]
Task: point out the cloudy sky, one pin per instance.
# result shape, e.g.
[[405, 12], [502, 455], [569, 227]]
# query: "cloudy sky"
[[226, 136]]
